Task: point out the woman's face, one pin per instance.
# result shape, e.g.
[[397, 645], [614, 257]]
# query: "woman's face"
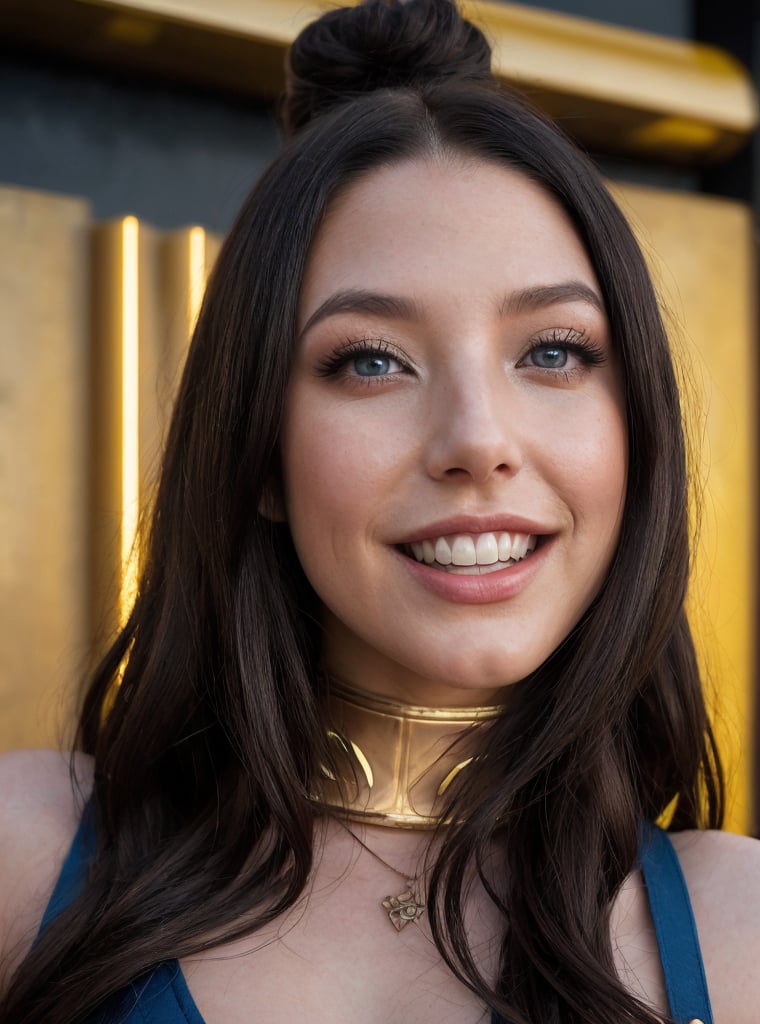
[[455, 401]]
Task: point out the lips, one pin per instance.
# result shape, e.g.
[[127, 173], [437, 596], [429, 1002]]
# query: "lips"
[[472, 552]]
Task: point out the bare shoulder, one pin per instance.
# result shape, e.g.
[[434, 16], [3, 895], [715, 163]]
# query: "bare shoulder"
[[40, 807], [722, 873]]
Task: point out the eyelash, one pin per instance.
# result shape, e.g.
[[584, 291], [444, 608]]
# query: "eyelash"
[[569, 340], [574, 342], [332, 364]]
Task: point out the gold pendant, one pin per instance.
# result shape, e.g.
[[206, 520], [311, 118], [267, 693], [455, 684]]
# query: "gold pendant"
[[404, 908]]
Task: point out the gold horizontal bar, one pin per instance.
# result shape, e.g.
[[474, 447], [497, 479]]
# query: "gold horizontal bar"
[[567, 54], [625, 67], [615, 89], [636, 91]]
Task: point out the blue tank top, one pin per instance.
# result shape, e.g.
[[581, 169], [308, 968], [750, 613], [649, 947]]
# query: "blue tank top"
[[162, 997]]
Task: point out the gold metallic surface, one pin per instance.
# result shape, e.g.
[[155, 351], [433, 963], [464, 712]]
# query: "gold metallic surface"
[[44, 432], [117, 372], [147, 290], [634, 90], [393, 760], [702, 254], [616, 89], [186, 258]]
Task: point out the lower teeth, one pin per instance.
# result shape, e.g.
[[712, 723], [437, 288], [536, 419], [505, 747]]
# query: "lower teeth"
[[474, 570]]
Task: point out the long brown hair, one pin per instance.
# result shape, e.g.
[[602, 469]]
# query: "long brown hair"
[[203, 764]]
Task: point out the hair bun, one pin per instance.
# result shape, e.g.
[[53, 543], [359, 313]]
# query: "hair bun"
[[379, 45]]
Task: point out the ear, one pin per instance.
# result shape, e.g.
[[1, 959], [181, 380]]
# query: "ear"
[[271, 503]]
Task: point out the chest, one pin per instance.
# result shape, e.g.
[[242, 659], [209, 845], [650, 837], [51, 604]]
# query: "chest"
[[336, 958]]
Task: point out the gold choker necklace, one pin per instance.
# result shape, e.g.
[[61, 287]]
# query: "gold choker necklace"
[[392, 762]]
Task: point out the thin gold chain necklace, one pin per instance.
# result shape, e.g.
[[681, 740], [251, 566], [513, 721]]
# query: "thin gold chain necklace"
[[406, 907]]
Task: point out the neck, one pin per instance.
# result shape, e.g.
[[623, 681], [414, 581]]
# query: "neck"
[[393, 762]]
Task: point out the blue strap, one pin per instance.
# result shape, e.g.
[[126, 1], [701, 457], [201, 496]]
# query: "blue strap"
[[675, 928], [161, 996]]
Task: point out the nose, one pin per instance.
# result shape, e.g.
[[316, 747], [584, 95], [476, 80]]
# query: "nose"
[[474, 432]]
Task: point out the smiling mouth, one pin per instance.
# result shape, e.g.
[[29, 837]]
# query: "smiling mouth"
[[472, 554]]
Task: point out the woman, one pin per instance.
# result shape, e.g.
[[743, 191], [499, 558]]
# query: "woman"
[[418, 559]]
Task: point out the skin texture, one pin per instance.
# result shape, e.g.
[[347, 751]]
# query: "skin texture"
[[463, 420], [39, 814]]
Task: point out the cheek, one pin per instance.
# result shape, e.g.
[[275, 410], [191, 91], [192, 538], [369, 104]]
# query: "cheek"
[[601, 462], [332, 483], [596, 453], [587, 468], [335, 468]]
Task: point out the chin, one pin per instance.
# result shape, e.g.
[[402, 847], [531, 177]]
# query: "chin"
[[480, 671]]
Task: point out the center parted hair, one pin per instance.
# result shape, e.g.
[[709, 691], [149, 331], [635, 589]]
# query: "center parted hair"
[[204, 762]]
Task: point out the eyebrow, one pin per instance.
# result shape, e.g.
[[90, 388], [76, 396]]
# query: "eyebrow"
[[540, 296], [355, 300], [359, 300]]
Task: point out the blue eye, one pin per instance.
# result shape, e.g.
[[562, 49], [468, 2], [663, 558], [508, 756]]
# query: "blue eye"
[[366, 359], [549, 357], [373, 365]]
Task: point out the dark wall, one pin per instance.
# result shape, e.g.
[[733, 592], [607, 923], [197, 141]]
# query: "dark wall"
[[734, 25], [664, 17], [171, 156]]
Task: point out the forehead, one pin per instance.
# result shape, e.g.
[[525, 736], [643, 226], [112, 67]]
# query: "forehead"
[[463, 230]]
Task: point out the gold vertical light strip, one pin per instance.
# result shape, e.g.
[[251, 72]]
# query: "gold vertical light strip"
[[130, 415], [147, 295], [117, 338], [197, 274], [187, 257]]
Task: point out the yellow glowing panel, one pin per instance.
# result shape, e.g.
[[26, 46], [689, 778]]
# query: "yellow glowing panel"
[[148, 290], [197, 274], [702, 253], [130, 414]]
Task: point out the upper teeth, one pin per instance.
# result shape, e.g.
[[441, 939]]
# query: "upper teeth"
[[474, 549]]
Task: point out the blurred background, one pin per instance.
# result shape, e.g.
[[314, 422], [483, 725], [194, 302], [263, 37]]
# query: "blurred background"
[[130, 133]]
